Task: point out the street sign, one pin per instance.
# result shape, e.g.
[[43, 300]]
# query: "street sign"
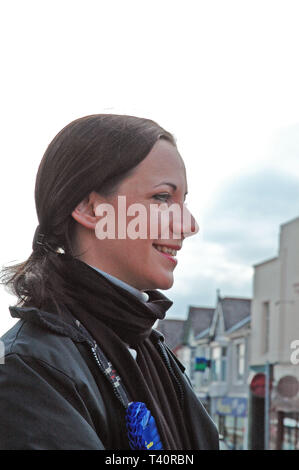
[[201, 363], [258, 385], [288, 386], [231, 406]]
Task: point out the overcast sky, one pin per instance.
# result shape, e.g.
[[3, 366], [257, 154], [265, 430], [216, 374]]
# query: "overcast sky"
[[221, 75]]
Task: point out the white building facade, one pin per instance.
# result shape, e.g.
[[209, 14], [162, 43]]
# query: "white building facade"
[[275, 335]]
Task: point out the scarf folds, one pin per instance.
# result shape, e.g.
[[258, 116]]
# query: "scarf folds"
[[116, 318]]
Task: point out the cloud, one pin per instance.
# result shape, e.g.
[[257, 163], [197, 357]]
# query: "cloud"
[[240, 228], [246, 216]]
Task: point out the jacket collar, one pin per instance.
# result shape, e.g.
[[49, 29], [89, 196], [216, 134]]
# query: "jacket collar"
[[65, 324]]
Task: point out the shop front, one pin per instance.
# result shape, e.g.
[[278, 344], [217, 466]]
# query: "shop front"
[[284, 414], [230, 415]]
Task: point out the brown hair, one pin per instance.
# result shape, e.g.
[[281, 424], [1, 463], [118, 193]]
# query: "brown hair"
[[93, 153]]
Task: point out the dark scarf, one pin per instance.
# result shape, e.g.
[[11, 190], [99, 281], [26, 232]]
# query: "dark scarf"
[[117, 318]]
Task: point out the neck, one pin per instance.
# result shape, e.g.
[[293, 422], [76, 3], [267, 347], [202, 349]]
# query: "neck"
[[143, 296], [91, 293]]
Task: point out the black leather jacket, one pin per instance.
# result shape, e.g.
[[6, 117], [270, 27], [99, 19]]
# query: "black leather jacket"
[[54, 393]]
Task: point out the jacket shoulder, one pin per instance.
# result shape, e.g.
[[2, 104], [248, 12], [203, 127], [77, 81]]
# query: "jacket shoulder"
[[46, 385], [32, 340], [50, 354], [8, 338]]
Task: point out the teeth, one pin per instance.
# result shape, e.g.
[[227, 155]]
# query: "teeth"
[[164, 249]]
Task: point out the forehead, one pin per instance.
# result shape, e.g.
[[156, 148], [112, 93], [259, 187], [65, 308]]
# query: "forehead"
[[163, 163]]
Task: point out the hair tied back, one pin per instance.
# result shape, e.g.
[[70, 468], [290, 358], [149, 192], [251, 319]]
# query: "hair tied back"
[[40, 243]]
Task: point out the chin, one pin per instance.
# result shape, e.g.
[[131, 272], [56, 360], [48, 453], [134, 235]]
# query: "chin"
[[164, 283]]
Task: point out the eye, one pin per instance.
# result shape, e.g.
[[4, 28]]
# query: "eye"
[[162, 197]]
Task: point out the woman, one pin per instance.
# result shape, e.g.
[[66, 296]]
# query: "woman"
[[83, 364]]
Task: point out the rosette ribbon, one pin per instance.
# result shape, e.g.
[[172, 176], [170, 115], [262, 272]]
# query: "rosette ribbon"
[[142, 429]]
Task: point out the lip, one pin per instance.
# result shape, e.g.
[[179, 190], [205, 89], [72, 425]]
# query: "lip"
[[173, 247], [166, 255]]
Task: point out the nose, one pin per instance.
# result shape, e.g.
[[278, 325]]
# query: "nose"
[[189, 225], [185, 225]]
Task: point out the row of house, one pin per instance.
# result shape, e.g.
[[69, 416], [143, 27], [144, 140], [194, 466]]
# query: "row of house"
[[241, 354]]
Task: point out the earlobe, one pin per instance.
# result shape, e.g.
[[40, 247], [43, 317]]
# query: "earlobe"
[[84, 214]]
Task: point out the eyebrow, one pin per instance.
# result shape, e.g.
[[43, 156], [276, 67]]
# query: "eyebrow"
[[173, 186]]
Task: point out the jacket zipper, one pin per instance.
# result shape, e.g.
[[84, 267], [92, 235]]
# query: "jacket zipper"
[[101, 366], [172, 372], [93, 345]]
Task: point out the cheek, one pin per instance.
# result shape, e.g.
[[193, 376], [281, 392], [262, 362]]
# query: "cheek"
[[138, 250], [164, 221], [156, 223]]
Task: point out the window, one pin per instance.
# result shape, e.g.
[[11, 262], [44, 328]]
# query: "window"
[[240, 362], [218, 364], [202, 378], [266, 327], [223, 365]]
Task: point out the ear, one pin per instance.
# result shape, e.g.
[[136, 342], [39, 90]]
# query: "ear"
[[84, 212]]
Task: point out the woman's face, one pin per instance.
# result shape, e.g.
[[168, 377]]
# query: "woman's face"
[[159, 179]]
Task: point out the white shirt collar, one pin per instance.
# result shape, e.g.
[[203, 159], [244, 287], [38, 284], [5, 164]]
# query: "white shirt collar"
[[143, 296]]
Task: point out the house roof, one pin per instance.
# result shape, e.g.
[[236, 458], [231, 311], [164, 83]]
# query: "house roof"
[[173, 331], [234, 310], [257, 265], [199, 319]]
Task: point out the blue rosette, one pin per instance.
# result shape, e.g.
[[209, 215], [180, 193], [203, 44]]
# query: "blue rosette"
[[142, 429]]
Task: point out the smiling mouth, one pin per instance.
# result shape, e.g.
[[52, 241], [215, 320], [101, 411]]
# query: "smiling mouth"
[[167, 252]]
